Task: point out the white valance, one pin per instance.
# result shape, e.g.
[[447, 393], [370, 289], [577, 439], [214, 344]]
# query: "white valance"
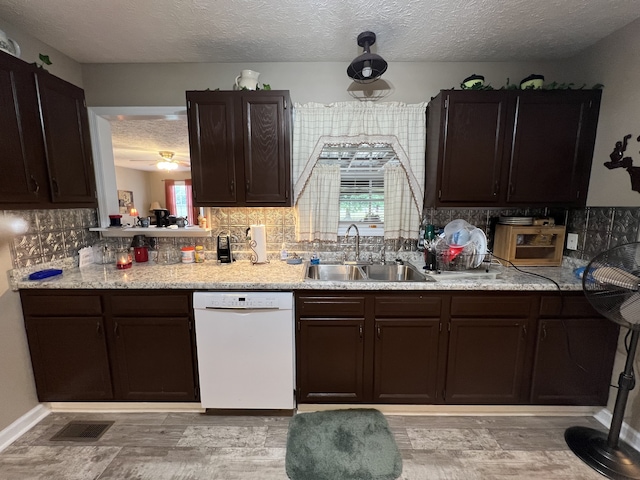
[[400, 125]]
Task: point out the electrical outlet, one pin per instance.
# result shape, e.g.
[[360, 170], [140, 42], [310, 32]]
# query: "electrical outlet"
[[572, 241]]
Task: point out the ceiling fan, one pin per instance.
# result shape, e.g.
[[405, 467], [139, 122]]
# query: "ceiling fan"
[[167, 162]]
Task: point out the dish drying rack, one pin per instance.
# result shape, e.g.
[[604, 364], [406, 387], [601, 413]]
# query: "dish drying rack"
[[464, 262]]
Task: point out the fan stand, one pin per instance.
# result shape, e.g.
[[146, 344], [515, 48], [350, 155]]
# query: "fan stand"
[[607, 454]]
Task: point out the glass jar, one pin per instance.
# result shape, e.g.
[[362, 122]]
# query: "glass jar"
[[199, 254], [124, 259]]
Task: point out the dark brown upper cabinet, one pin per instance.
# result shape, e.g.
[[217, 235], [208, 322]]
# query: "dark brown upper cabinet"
[[44, 131], [240, 145], [510, 147]]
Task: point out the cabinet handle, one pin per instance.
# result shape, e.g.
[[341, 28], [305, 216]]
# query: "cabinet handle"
[[524, 330], [511, 189], [36, 187], [248, 186], [56, 189], [360, 330], [379, 332], [544, 332], [98, 327], [232, 186], [496, 188], [115, 329]]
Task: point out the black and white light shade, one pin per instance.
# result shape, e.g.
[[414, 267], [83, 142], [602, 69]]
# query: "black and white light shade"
[[367, 67]]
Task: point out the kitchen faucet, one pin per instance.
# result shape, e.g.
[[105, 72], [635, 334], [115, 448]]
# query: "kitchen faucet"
[[346, 237]]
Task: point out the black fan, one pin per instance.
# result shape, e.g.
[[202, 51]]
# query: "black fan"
[[611, 283]]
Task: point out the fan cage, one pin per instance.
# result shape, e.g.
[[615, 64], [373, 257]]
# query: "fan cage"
[[611, 284]]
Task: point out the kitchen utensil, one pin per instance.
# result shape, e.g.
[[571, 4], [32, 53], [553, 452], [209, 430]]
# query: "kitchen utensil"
[[8, 45], [248, 79]]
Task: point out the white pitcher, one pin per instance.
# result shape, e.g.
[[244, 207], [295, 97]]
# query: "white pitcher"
[[8, 45], [247, 79]]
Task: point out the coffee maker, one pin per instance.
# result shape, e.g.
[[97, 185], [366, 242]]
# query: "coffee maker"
[[162, 217], [224, 249]]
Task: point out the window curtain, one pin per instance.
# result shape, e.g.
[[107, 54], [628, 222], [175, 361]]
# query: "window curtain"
[[401, 214], [170, 196], [400, 125], [319, 205]]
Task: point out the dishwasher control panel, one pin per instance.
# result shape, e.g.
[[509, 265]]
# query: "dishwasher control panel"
[[243, 301]]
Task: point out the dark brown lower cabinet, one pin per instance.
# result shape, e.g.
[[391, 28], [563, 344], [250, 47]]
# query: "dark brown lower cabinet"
[[69, 357], [331, 360], [486, 361], [109, 345], [153, 359], [406, 360], [575, 350], [491, 348]]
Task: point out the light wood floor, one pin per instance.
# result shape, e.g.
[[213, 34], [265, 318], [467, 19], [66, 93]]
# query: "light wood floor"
[[191, 446]]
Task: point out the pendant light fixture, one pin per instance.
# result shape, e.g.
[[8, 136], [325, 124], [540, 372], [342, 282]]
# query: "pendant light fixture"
[[367, 67]]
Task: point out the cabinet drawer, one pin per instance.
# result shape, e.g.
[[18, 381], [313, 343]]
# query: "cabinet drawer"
[[60, 305], [566, 306], [149, 305], [417, 305], [337, 306], [491, 306]]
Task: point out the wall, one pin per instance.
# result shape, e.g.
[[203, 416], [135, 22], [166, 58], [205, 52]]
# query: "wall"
[[614, 63], [17, 395], [412, 82], [136, 181]]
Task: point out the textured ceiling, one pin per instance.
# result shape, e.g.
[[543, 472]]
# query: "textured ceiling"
[[241, 31], [150, 31], [137, 141]]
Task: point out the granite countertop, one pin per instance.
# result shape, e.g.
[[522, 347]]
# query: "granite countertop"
[[242, 275]]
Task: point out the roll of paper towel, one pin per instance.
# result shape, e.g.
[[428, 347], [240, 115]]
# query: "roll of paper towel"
[[258, 244]]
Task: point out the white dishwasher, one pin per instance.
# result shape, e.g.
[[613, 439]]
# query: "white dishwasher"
[[245, 343]]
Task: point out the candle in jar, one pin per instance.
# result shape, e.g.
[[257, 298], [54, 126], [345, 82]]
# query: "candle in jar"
[[123, 260]]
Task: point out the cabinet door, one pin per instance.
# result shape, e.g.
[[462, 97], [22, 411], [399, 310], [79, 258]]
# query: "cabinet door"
[[69, 356], [406, 360], [471, 148], [213, 141], [330, 360], [266, 149], [24, 176], [154, 359], [552, 147], [573, 361], [485, 361], [65, 126]]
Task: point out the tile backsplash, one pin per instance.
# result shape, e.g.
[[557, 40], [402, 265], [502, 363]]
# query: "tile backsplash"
[[52, 235], [58, 234]]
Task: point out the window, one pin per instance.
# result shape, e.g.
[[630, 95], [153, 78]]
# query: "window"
[[361, 184], [178, 199]]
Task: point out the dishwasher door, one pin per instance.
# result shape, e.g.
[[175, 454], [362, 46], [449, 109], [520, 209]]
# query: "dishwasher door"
[[245, 344]]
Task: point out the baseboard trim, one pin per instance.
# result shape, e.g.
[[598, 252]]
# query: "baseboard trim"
[[511, 410], [627, 433], [18, 428], [126, 407]]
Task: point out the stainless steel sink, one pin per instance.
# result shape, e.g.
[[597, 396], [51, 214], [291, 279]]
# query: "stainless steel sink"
[[335, 272], [393, 273], [365, 273]]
